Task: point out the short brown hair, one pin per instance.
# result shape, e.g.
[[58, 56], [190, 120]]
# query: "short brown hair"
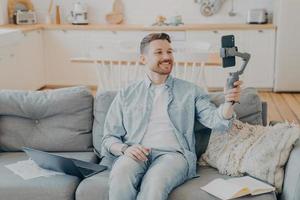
[[151, 37]]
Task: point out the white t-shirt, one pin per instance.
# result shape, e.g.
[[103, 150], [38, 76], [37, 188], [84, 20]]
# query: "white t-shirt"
[[160, 134]]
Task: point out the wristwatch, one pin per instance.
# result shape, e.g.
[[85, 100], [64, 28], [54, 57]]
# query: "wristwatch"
[[123, 149]]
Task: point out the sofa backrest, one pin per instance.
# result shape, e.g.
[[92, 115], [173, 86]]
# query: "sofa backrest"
[[102, 103], [53, 120], [291, 183], [249, 110]]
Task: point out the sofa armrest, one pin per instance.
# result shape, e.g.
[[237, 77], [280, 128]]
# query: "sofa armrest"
[[291, 184]]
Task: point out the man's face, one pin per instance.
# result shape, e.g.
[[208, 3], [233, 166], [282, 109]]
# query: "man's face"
[[159, 57]]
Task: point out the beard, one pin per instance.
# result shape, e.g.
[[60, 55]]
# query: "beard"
[[163, 67]]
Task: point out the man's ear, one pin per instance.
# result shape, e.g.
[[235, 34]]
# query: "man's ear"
[[143, 59]]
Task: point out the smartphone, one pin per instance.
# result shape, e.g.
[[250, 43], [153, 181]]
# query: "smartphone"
[[228, 42]]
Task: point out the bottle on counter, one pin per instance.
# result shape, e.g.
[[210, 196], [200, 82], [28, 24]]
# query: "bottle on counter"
[[57, 16]]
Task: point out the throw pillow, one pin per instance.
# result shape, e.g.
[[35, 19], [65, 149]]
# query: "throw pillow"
[[258, 151]]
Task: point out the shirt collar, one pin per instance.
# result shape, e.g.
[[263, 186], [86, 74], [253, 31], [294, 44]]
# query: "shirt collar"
[[169, 81]]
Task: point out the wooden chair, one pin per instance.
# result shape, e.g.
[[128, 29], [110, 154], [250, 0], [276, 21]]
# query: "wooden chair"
[[117, 68]]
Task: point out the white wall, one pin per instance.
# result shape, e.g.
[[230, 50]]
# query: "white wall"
[[3, 12], [145, 11]]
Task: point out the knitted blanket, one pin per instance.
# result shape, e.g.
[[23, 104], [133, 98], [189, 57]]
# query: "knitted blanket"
[[255, 150]]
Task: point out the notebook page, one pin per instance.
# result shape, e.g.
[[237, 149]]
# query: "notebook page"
[[255, 186], [222, 189]]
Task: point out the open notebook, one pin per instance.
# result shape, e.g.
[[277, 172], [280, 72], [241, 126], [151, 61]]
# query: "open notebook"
[[236, 187]]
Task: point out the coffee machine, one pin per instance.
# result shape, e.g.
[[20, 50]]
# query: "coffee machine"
[[79, 14]]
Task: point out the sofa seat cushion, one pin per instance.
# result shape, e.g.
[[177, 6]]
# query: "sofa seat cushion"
[[58, 187], [191, 189], [96, 187], [53, 120]]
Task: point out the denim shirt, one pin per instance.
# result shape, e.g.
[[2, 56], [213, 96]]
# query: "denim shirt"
[[129, 113]]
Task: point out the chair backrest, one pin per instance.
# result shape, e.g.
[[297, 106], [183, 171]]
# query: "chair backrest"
[[117, 67], [190, 60]]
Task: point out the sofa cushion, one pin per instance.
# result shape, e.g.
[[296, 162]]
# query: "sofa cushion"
[[291, 187], [96, 187], [191, 189], [101, 106], [54, 120], [58, 187], [248, 110], [258, 151]]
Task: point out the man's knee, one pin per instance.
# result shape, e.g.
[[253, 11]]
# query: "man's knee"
[[124, 171]]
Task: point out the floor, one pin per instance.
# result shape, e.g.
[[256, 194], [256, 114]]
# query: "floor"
[[282, 106]]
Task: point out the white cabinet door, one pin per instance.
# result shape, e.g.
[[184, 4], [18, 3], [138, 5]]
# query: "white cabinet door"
[[8, 68], [22, 65], [30, 61], [61, 46], [260, 70]]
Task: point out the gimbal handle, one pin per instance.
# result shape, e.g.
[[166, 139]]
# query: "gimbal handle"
[[234, 76]]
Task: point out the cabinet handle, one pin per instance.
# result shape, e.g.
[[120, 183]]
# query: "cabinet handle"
[[215, 31], [260, 31]]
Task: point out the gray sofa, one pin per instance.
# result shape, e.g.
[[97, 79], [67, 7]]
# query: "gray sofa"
[[69, 122]]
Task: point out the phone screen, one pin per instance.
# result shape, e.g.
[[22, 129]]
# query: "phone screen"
[[228, 42]]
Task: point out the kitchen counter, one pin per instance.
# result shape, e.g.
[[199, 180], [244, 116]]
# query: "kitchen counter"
[[24, 28], [136, 27]]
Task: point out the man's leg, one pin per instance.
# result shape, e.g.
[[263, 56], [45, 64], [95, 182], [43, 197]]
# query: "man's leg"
[[125, 178], [165, 173]]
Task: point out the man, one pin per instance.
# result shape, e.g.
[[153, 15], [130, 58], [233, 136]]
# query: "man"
[[148, 133]]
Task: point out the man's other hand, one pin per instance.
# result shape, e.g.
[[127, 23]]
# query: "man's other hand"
[[137, 152]]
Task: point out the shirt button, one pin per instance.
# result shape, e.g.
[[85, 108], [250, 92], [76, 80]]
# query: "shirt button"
[[36, 121]]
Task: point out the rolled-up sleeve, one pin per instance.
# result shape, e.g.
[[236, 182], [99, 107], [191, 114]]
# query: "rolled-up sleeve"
[[113, 126], [211, 116]]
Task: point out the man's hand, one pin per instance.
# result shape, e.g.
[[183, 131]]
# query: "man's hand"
[[230, 96], [137, 152], [234, 93]]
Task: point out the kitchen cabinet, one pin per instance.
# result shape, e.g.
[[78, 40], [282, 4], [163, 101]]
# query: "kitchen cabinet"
[[22, 63], [8, 68], [62, 45], [260, 70]]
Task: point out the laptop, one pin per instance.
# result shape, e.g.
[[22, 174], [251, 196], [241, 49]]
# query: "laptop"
[[69, 166]]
